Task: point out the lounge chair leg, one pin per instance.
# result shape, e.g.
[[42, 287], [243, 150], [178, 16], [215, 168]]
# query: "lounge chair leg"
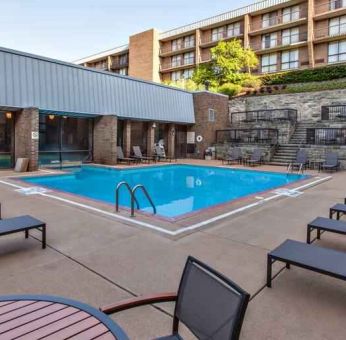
[[318, 234], [269, 271], [338, 215], [330, 213], [44, 237], [308, 235], [288, 266], [26, 233]]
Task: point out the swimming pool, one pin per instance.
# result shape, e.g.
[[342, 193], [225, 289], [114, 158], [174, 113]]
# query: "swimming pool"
[[176, 190]]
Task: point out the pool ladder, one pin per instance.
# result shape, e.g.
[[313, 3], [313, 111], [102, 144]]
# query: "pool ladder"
[[134, 200]]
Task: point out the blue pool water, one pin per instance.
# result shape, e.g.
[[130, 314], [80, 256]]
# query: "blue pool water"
[[175, 189]]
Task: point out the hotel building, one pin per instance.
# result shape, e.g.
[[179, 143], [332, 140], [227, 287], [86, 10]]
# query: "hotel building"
[[285, 34]]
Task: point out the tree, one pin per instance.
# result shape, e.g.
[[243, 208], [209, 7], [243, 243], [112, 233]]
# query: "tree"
[[228, 62]]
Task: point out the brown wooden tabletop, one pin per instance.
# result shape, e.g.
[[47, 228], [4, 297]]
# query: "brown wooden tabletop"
[[50, 317]]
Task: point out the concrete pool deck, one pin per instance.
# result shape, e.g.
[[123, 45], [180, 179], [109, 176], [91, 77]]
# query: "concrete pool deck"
[[98, 260]]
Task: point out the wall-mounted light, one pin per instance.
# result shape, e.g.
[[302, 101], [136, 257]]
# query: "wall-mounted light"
[[65, 117], [51, 117], [154, 126], [8, 115]]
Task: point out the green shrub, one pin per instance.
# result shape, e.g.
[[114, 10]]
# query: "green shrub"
[[230, 89], [306, 76], [251, 81]]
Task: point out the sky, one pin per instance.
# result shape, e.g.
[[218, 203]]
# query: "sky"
[[72, 29]]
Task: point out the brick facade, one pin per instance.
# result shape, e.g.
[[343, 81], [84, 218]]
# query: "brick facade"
[[26, 136], [105, 140]]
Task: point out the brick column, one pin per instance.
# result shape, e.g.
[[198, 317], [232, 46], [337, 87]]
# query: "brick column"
[[171, 140], [105, 140], [26, 136], [127, 138], [311, 51], [150, 139], [246, 30]]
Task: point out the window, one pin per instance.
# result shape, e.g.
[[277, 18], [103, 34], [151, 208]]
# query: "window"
[[269, 63], [177, 44], [290, 60], [187, 74], [218, 33], [176, 60], [189, 41], [175, 75], [290, 36], [269, 40], [269, 19], [337, 26], [337, 51], [123, 59], [189, 58], [233, 30], [123, 71], [336, 4], [291, 14], [211, 115]]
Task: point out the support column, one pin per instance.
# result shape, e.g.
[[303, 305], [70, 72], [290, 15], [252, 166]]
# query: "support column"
[[171, 141], [26, 136], [311, 52], [105, 140], [127, 138], [150, 139], [246, 30]]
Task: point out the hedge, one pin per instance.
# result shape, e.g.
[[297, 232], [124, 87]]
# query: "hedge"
[[305, 76]]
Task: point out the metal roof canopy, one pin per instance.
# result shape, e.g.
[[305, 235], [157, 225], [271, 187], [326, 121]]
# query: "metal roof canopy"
[[51, 85]]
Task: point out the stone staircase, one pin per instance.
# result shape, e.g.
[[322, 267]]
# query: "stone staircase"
[[286, 153]]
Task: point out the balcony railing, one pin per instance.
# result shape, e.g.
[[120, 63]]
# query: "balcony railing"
[[177, 63], [326, 136], [329, 6], [279, 19], [248, 136], [119, 64], [176, 48], [280, 41], [264, 115], [333, 112], [210, 38], [331, 31]]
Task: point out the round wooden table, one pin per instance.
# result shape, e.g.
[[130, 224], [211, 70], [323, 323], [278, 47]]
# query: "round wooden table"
[[51, 317]]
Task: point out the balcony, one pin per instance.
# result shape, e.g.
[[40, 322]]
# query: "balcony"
[[264, 116], [177, 64], [210, 40], [333, 113], [248, 136], [329, 9], [326, 136], [277, 43], [328, 33], [283, 21], [118, 64], [183, 47]]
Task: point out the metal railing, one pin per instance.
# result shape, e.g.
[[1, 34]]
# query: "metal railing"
[[280, 41], [326, 136], [264, 115], [178, 63], [210, 38], [329, 6], [330, 31], [132, 192], [279, 19], [177, 48], [248, 136], [119, 64], [333, 112]]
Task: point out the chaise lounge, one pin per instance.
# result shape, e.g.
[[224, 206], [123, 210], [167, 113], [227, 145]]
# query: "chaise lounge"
[[208, 303], [139, 156], [161, 155], [122, 158], [233, 155]]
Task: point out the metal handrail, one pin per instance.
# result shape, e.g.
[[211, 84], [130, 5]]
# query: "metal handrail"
[[133, 198]]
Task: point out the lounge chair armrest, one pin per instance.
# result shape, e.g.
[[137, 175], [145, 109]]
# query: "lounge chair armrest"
[[138, 301]]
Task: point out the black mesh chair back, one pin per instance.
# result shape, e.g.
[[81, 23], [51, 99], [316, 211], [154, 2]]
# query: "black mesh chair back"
[[236, 153], [209, 304], [137, 151], [331, 159], [302, 157], [120, 153], [256, 155]]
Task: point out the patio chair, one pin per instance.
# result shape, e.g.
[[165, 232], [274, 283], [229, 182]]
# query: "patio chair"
[[139, 156], [301, 160], [233, 155], [122, 158], [255, 158], [161, 155], [331, 163], [210, 305]]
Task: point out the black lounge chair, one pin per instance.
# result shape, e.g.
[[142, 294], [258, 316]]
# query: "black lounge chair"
[[338, 209], [233, 155], [323, 224], [139, 156], [207, 303], [122, 158], [161, 155], [256, 158], [301, 160], [321, 260], [331, 163]]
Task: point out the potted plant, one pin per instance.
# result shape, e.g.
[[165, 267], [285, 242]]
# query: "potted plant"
[[208, 154]]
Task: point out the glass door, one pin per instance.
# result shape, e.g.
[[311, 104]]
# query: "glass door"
[[6, 140]]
